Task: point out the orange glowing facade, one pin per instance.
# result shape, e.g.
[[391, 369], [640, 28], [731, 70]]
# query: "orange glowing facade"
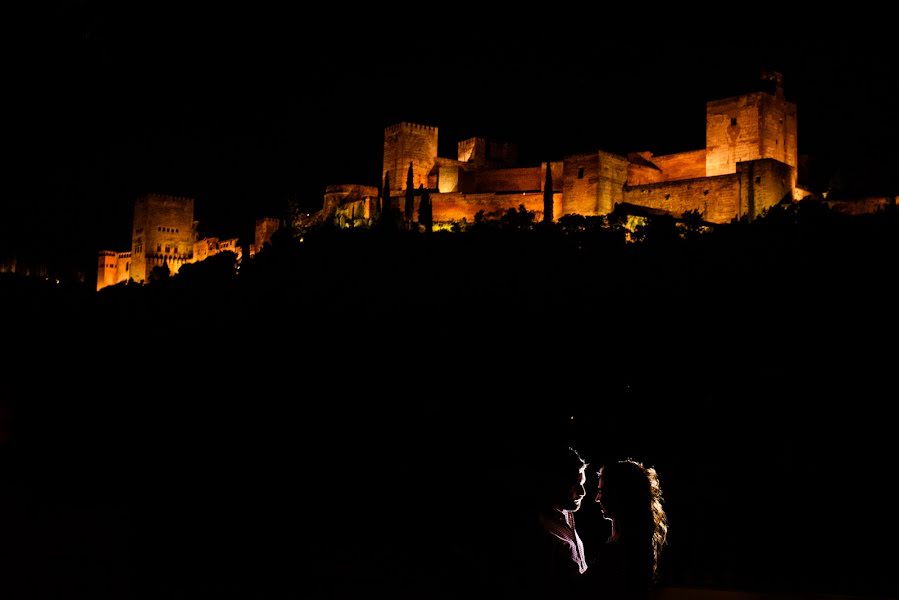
[[749, 164], [164, 234]]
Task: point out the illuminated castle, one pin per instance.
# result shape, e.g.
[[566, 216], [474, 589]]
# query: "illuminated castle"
[[164, 234], [749, 164]]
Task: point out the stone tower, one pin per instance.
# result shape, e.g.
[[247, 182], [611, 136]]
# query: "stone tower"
[[163, 233], [107, 269], [751, 127], [405, 143]]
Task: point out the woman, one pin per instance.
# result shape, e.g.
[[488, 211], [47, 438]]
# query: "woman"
[[630, 496]]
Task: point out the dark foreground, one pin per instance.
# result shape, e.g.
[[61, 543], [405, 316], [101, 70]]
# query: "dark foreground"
[[348, 427]]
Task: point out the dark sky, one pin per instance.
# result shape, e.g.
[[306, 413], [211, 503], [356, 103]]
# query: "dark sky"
[[245, 108]]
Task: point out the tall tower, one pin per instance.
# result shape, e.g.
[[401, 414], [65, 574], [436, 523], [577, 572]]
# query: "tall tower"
[[163, 233], [751, 127], [405, 143]]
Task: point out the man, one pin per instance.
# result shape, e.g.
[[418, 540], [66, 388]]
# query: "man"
[[558, 559]]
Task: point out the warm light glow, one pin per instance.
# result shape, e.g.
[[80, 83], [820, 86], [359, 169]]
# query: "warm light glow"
[[631, 224]]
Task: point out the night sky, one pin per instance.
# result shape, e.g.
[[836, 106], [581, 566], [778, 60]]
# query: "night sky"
[[244, 109]]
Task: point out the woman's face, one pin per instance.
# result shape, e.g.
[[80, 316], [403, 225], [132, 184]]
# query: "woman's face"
[[599, 492]]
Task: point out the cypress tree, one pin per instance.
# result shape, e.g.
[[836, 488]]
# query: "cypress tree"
[[548, 195], [410, 196], [385, 194], [425, 212]]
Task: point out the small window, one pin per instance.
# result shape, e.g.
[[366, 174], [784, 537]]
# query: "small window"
[[159, 247], [758, 179], [667, 196], [580, 172], [733, 121], [127, 266]]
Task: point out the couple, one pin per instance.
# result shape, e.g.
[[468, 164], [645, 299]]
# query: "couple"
[[629, 496]]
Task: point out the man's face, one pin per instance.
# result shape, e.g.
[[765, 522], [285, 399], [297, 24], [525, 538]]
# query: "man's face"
[[576, 492]]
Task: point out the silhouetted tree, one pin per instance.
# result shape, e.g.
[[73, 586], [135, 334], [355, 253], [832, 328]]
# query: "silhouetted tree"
[[836, 186], [410, 196], [656, 229], [692, 223], [160, 272], [518, 219], [548, 195], [213, 270], [385, 199], [425, 212]]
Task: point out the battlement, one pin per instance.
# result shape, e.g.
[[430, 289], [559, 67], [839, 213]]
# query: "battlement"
[[406, 143], [774, 77], [753, 126], [408, 126], [352, 188], [167, 197]]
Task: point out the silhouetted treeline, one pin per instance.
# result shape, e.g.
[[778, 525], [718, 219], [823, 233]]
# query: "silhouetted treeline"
[[345, 415]]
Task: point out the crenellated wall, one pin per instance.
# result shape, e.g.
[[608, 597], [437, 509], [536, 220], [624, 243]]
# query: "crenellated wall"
[[163, 232], [405, 143], [750, 127]]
